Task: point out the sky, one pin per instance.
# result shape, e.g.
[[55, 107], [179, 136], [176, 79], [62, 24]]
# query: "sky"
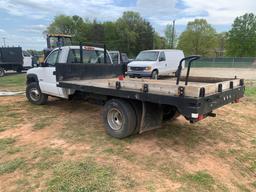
[[22, 22]]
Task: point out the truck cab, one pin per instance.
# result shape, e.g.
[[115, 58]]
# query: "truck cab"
[[45, 75]]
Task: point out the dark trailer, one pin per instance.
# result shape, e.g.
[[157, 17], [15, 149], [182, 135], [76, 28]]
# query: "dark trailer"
[[134, 106], [10, 59]]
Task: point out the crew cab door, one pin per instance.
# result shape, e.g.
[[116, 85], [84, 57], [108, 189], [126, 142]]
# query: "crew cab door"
[[47, 77]]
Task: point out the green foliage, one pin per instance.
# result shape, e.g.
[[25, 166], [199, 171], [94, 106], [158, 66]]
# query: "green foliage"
[[199, 38], [130, 33], [242, 37], [169, 36]]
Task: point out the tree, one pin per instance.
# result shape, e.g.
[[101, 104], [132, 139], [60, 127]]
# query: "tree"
[[242, 37], [199, 38], [170, 36], [135, 33], [62, 24], [130, 33], [221, 44]]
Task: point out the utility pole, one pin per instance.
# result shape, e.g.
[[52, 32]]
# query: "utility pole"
[[173, 33], [4, 41]]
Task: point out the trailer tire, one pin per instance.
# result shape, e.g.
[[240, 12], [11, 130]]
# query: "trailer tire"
[[119, 118], [34, 94], [2, 72]]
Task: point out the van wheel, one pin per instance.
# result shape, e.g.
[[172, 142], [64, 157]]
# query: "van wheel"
[[2, 72], [119, 118], [154, 75], [34, 94]]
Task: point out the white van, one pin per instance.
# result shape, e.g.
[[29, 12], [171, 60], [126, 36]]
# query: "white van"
[[154, 63]]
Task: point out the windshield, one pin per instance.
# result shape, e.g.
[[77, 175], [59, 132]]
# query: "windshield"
[[147, 56]]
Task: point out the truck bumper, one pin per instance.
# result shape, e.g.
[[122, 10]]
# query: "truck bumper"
[[139, 73], [206, 105]]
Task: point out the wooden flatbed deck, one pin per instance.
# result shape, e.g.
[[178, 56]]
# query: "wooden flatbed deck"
[[163, 86]]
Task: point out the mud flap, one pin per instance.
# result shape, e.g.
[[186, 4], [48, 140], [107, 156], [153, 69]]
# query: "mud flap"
[[152, 116]]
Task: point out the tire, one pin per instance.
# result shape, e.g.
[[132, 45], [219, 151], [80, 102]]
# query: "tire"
[[170, 113], [119, 118], [154, 74], [2, 72], [34, 94]]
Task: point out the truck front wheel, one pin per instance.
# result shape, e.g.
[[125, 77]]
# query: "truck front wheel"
[[2, 72], [34, 94], [119, 118]]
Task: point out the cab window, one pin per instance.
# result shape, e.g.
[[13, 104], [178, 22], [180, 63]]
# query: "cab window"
[[52, 58], [162, 56], [89, 56]]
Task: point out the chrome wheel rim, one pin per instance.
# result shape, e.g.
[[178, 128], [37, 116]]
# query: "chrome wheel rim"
[[115, 119], [34, 94]]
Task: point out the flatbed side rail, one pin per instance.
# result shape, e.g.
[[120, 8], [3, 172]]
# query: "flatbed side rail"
[[190, 59]]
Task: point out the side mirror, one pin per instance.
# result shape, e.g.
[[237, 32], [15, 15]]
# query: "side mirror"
[[161, 59]]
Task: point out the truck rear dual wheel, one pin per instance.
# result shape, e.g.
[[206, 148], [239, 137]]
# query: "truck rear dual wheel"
[[170, 113], [2, 72], [119, 118], [34, 94]]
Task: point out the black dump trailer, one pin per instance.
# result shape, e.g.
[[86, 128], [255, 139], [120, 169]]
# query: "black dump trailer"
[[138, 105], [10, 59]]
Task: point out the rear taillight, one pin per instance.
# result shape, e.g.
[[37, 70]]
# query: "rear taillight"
[[200, 117]]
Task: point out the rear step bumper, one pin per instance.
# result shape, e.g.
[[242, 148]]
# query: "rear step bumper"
[[207, 104]]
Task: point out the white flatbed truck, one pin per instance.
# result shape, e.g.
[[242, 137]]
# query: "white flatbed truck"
[[131, 106]]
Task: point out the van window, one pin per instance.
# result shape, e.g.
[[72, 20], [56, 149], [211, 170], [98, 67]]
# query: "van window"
[[89, 56], [162, 57], [147, 56]]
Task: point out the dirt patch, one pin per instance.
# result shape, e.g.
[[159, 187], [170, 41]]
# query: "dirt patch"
[[158, 160]]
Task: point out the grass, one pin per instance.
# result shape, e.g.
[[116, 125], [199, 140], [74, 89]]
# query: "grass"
[[10, 117], [201, 180], [250, 91], [11, 166], [43, 123], [81, 177], [4, 143], [47, 157], [13, 82]]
